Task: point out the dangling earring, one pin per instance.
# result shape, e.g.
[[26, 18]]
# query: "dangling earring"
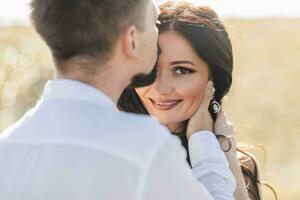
[[215, 105]]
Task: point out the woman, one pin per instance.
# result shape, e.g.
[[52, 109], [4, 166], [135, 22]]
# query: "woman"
[[195, 49]]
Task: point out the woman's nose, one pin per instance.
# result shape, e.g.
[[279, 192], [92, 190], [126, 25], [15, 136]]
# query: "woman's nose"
[[162, 84]]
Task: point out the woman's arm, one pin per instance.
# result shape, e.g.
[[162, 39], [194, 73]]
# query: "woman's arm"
[[224, 127], [235, 167]]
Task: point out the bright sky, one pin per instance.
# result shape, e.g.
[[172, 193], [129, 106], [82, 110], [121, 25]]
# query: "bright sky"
[[17, 11]]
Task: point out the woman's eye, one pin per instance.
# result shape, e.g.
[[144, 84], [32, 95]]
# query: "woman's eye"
[[183, 70]]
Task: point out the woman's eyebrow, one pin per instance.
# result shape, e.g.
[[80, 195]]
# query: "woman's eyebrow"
[[182, 62]]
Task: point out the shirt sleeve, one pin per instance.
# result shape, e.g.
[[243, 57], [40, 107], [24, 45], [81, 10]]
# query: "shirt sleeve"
[[169, 177], [210, 166]]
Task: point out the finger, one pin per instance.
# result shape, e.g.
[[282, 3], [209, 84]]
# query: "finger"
[[221, 115], [208, 94], [221, 118]]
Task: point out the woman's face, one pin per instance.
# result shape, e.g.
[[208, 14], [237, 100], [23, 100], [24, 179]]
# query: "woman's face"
[[181, 80]]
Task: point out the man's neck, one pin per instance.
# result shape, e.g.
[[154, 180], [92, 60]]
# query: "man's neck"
[[110, 80]]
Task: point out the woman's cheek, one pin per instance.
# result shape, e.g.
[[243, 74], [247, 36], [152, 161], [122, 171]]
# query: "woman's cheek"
[[194, 96], [142, 93]]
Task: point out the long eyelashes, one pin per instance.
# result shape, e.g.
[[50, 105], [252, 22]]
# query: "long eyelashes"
[[183, 70]]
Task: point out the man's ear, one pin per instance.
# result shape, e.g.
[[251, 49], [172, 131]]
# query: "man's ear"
[[130, 42]]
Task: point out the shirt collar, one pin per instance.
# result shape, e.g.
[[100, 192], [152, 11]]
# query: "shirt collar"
[[76, 90]]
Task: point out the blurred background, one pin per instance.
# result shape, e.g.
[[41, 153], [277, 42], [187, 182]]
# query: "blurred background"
[[264, 100]]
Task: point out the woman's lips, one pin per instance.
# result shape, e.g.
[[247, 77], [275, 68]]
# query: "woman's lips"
[[162, 104]]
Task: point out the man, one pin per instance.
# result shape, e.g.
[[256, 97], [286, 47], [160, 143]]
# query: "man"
[[74, 144]]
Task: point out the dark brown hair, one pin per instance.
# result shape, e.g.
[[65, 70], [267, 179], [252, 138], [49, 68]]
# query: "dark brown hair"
[[87, 28], [206, 33]]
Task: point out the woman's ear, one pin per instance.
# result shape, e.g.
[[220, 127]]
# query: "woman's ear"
[[130, 42]]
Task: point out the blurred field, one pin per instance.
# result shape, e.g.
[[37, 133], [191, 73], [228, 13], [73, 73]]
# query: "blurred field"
[[263, 103]]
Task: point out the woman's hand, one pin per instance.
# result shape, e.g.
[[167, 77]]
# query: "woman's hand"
[[224, 127], [202, 120]]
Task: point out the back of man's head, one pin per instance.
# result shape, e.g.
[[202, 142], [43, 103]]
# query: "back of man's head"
[[85, 28]]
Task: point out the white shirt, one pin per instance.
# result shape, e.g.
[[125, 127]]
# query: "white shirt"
[[75, 145]]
